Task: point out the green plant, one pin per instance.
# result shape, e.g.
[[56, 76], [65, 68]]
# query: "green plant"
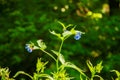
[[4, 74], [61, 64], [95, 69], [117, 73]]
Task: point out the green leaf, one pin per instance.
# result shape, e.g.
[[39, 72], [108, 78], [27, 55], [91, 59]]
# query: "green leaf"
[[55, 52], [61, 57], [35, 47], [90, 66], [117, 73], [40, 66], [56, 34], [83, 77], [99, 67], [22, 72], [61, 75], [45, 76], [73, 31], [66, 34], [64, 28], [99, 77], [41, 44], [71, 65], [69, 25]]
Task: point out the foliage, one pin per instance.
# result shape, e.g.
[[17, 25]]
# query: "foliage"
[[61, 63], [23, 20]]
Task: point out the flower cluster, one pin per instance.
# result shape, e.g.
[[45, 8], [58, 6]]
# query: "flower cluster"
[[29, 48], [63, 36], [77, 35]]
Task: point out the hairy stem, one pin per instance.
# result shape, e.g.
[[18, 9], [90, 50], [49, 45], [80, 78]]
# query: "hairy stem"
[[57, 61], [48, 54]]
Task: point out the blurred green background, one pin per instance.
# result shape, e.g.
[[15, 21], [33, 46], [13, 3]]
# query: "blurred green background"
[[22, 21]]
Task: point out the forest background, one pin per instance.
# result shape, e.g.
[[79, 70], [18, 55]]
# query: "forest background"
[[22, 21]]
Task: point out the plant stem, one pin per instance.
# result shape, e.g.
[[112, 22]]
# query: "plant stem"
[[92, 77], [61, 46], [57, 61], [48, 54]]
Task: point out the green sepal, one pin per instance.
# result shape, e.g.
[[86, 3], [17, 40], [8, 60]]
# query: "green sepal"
[[40, 66], [98, 67]]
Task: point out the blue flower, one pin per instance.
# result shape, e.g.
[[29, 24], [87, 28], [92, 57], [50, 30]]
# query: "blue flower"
[[28, 48], [77, 36]]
